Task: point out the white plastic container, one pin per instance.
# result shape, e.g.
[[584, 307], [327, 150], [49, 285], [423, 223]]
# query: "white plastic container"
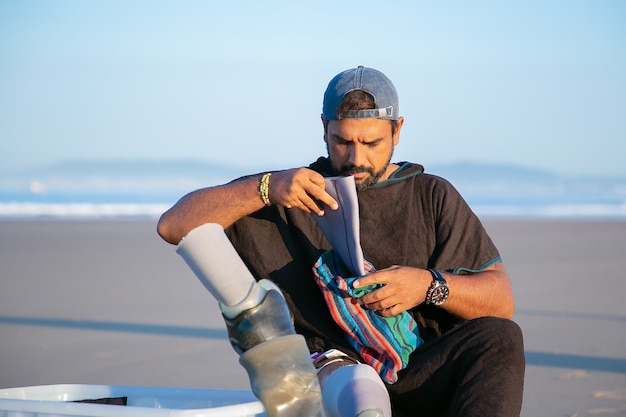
[[56, 401]]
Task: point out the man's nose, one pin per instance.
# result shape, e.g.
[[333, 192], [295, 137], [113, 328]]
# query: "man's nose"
[[357, 155]]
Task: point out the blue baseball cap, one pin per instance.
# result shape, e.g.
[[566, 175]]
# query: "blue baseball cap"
[[369, 80]]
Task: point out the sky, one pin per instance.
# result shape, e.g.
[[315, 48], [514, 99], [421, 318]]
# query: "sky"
[[535, 83]]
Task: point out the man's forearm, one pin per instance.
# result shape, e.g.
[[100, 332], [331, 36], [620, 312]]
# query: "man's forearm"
[[224, 204], [486, 293]]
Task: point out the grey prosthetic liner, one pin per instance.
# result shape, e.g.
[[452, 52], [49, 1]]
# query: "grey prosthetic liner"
[[259, 326], [355, 390], [212, 258], [341, 226]]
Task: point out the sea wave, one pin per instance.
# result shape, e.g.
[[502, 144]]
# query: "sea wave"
[[81, 210], [22, 210], [553, 211]]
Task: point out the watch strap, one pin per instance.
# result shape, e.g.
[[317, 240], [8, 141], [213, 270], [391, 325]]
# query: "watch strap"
[[437, 276]]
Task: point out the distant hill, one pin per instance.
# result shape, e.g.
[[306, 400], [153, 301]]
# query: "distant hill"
[[166, 179], [121, 177], [469, 171]]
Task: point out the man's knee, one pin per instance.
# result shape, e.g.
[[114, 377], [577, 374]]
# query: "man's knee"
[[494, 379], [502, 340], [504, 332]]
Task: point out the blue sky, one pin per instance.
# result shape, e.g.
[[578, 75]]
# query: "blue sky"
[[535, 83]]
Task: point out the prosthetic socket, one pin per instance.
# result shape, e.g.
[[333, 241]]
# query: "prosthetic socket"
[[262, 316], [276, 358], [259, 326]]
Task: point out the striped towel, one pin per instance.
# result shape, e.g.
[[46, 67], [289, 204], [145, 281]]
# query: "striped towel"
[[384, 343]]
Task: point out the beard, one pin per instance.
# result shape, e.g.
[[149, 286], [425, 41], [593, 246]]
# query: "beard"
[[367, 182]]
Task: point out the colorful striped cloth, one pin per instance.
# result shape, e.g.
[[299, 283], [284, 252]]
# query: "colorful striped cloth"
[[384, 343]]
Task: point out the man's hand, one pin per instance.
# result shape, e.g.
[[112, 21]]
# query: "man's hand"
[[404, 288], [485, 293], [300, 188]]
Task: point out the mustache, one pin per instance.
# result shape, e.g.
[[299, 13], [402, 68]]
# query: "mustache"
[[353, 169]]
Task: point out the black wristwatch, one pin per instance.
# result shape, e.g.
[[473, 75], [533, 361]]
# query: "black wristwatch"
[[438, 291]]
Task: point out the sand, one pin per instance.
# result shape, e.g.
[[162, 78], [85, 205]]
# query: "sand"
[[107, 302]]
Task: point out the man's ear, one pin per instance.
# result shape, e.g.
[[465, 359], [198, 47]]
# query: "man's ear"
[[396, 136], [325, 124]]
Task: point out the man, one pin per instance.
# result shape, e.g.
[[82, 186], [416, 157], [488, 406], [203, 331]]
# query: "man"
[[433, 259]]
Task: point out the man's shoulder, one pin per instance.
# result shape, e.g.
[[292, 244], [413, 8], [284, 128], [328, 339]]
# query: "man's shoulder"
[[409, 173], [323, 166]]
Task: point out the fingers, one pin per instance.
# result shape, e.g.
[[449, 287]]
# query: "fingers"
[[319, 193], [386, 306], [379, 299], [392, 311], [403, 288], [300, 188], [382, 276]]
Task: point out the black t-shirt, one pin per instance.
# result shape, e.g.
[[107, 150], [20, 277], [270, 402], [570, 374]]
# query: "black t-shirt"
[[412, 219]]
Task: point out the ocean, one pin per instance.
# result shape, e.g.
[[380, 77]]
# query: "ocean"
[[80, 205], [145, 189], [109, 206]]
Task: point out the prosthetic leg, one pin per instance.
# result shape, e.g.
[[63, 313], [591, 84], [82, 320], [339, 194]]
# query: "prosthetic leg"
[[259, 326], [350, 388]]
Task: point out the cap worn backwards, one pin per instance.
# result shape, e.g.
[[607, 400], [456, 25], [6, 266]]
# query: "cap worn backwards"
[[369, 80]]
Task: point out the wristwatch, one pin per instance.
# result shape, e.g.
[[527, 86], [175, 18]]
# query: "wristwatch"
[[438, 291]]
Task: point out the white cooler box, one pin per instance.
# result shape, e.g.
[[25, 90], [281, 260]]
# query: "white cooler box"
[[57, 400]]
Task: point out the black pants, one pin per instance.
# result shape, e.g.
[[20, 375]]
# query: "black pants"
[[476, 369]]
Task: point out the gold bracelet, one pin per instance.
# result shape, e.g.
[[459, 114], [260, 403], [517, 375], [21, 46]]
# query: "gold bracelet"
[[264, 189]]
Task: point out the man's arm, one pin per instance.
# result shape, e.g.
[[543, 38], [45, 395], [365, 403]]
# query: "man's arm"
[[485, 293], [225, 204]]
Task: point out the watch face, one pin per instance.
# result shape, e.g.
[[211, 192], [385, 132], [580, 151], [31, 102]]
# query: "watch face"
[[439, 295]]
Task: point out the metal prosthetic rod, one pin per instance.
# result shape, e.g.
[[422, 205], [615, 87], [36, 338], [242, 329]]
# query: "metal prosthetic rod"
[[259, 326]]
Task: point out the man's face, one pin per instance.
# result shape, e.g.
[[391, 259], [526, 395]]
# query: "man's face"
[[362, 148]]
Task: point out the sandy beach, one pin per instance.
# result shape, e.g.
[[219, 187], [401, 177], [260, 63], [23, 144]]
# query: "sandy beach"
[[107, 302]]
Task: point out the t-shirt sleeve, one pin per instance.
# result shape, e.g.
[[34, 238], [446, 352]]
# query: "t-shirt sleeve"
[[463, 245]]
